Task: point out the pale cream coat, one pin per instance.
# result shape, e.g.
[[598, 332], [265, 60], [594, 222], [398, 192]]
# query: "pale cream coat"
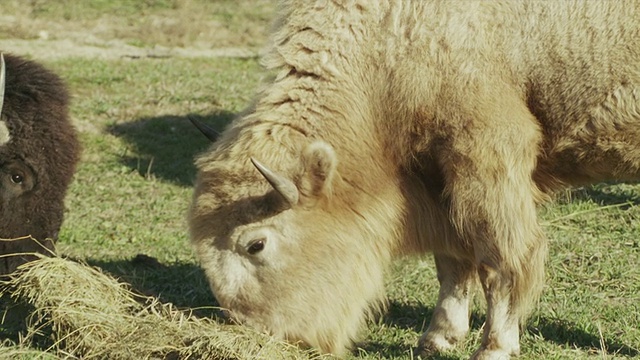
[[411, 127]]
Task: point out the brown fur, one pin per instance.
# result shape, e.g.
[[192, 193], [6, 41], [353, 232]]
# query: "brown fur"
[[43, 149], [415, 126]]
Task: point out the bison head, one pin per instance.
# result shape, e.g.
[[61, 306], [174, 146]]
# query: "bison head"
[[38, 153], [285, 252]]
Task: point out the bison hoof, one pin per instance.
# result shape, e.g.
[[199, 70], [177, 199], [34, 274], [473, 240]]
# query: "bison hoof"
[[431, 344]]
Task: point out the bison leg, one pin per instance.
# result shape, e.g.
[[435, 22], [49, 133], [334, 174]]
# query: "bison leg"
[[509, 249], [450, 320], [488, 168]]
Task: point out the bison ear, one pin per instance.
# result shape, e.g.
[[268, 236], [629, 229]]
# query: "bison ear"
[[319, 166]]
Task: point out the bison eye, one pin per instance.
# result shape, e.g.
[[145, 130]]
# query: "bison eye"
[[17, 179], [256, 246]]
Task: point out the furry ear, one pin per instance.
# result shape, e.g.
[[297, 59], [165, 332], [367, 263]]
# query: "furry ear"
[[319, 163]]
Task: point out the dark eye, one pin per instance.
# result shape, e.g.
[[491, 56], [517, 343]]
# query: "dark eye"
[[17, 179], [256, 246]]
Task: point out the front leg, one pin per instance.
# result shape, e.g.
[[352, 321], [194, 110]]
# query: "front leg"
[[450, 320], [488, 167]]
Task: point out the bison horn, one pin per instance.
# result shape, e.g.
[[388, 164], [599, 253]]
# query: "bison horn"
[[281, 184], [207, 130], [5, 136], [2, 76]]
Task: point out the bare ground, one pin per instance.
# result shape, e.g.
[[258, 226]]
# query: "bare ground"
[[113, 49]]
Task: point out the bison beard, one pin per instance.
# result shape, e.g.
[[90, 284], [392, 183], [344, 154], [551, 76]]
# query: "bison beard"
[[38, 154], [405, 127]]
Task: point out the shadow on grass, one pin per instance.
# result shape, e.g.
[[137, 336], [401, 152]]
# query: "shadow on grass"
[[569, 335], [398, 315], [165, 146], [416, 319], [607, 194], [413, 318], [182, 284], [13, 320]]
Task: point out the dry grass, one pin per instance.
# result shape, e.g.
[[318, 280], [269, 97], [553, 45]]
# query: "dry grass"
[[76, 311], [168, 23]]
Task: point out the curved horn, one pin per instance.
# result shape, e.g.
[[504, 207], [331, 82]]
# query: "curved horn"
[[282, 185], [5, 136], [205, 129], [2, 76]]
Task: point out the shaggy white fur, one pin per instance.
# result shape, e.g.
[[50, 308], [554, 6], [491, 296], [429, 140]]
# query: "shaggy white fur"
[[407, 127]]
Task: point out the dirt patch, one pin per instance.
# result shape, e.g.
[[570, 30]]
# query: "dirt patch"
[[114, 49]]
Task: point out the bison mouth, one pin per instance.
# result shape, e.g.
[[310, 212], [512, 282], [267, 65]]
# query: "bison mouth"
[[237, 318]]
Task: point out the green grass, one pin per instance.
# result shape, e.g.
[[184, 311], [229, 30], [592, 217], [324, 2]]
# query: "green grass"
[[133, 187]]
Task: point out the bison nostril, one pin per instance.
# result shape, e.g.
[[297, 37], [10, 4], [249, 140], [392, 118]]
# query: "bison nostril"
[[227, 317], [225, 314]]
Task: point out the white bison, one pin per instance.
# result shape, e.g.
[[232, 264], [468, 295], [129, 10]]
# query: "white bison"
[[398, 126]]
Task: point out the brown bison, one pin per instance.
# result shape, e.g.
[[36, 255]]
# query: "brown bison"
[[38, 154], [402, 127]]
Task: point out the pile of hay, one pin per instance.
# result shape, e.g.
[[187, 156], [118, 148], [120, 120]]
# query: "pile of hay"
[[71, 310]]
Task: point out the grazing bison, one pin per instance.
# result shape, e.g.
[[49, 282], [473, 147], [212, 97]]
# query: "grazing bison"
[[38, 153], [402, 127]]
